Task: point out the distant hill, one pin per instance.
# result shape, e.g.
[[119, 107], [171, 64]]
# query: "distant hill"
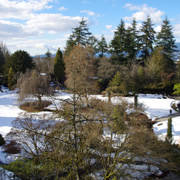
[[108, 55]]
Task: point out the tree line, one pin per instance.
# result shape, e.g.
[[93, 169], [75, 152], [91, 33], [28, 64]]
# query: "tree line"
[[140, 60]]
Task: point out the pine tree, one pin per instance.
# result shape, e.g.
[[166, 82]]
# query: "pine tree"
[[102, 46], [166, 39], [134, 40], [80, 35], [147, 38], [59, 67], [118, 45], [130, 49]]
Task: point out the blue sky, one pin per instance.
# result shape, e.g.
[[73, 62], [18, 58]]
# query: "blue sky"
[[38, 25]]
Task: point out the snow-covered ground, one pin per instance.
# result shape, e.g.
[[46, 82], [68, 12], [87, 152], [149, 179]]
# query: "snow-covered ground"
[[155, 106]]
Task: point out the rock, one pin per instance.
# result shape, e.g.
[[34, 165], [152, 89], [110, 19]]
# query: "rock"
[[154, 168], [139, 167]]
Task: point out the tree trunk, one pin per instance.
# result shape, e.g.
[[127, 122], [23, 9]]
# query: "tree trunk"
[[39, 99], [135, 101]]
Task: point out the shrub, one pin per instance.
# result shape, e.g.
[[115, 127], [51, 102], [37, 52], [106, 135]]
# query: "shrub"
[[12, 148], [35, 106], [2, 141]]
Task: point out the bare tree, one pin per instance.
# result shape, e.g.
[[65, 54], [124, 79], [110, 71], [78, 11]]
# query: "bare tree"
[[80, 70], [33, 83], [44, 65]]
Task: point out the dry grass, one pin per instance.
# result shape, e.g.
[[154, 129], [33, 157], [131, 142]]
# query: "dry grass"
[[35, 106]]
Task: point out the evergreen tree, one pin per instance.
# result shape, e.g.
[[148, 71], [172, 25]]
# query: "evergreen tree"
[[102, 46], [147, 38], [48, 54], [2, 59], [80, 35], [19, 61], [10, 78], [59, 67], [166, 39], [118, 45], [134, 40], [130, 49], [4, 55], [2, 141]]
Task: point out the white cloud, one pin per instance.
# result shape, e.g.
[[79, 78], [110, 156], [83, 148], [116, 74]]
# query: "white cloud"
[[62, 8], [157, 28], [14, 30], [21, 9], [29, 21], [38, 24], [37, 46], [108, 26], [142, 12], [90, 13], [132, 7], [55, 23]]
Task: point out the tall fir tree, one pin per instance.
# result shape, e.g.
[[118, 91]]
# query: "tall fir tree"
[[166, 39], [80, 35], [59, 67], [118, 45], [135, 41], [147, 38], [130, 46], [102, 46]]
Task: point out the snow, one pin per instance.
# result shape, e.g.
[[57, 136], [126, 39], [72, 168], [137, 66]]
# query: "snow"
[[155, 106]]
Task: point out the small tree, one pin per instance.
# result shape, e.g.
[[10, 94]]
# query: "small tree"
[[176, 89], [34, 84], [2, 141], [10, 78], [169, 130], [59, 67]]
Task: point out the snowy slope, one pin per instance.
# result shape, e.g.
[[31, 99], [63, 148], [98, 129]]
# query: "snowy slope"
[[155, 106]]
